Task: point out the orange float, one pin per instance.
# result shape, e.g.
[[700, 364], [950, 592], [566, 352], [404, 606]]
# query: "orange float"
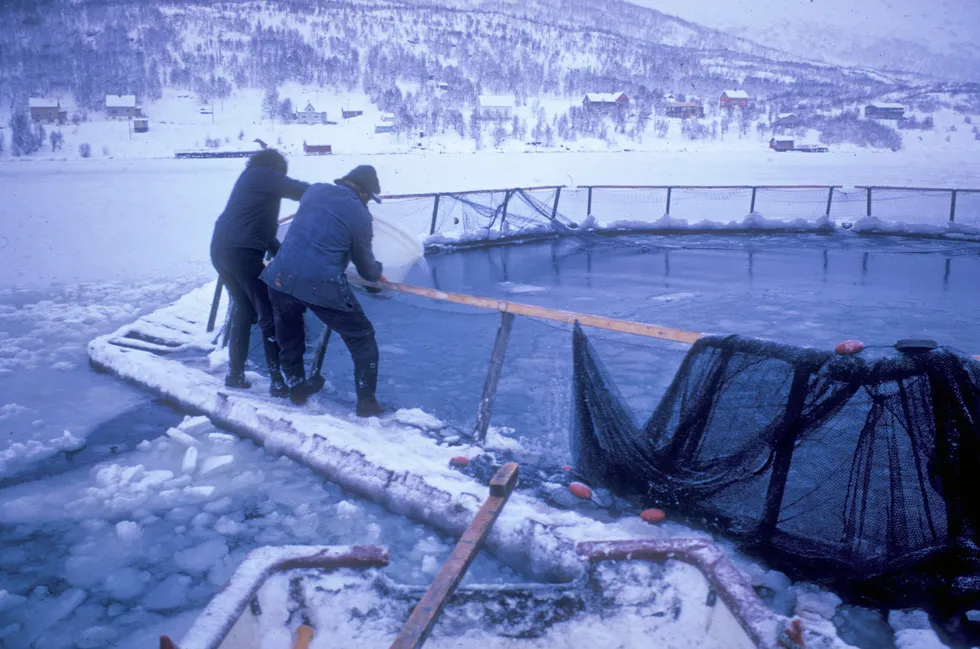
[[849, 347], [580, 490], [653, 515], [459, 460], [568, 467]]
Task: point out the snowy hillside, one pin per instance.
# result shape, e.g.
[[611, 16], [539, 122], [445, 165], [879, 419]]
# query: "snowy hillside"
[[522, 48], [221, 76]]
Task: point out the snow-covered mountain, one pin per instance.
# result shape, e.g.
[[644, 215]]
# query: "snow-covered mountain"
[[930, 37]]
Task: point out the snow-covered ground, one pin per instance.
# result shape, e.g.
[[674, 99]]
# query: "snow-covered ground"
[[88, 245]]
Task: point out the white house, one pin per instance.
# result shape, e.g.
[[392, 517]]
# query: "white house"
[[495, 107], [309, 115], [121, 106]]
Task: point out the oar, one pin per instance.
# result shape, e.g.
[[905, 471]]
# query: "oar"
[[424, 617]]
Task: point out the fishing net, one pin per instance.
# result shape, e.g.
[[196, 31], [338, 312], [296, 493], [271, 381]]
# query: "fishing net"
[[836, 469]]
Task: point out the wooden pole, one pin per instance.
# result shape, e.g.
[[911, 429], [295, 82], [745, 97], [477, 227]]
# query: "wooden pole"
[[869, 202], [752, 204], [531, 311], [830, 198], [425, 614], [215, 301], [316, 369], [554, 208], [435, 216], [669, 190], [485, 409], [588, 209], [952, 207]]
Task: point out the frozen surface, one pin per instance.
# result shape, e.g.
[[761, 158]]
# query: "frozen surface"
[[135, 540]]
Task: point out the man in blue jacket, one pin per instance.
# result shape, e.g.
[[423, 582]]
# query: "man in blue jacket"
[[243, 234], [331, 228]]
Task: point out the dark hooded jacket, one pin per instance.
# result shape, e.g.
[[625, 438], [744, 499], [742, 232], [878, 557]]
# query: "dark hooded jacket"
[[332, 227], [250, 219]]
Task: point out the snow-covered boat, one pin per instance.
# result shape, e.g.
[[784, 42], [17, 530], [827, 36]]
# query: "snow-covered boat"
[[664, 593], [337, 597]]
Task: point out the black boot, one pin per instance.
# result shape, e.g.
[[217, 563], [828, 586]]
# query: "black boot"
[[238, 339], [277, 386], [366, 384], [300, 390]]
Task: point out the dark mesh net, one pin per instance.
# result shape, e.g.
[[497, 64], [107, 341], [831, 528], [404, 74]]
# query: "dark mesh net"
[[853, 472]]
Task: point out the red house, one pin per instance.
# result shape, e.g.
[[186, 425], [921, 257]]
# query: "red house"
[[738, 98], [317, 149]]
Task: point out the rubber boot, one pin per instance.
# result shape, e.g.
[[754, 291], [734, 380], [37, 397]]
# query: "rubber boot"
[[277, 386], [238, 339], [300, 390], [366, 384]]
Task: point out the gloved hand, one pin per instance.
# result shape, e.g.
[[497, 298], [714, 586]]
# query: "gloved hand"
[[375, 289]]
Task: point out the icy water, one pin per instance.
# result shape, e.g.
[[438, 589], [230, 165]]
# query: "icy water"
[[800, 289], [107, 538]]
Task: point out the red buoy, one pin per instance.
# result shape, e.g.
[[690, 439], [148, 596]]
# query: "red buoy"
[[580, 490], [849, 347], [459, 460], [568, 467], [653, 515]]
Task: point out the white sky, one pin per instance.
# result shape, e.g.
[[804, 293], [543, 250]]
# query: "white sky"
[[916, 20]]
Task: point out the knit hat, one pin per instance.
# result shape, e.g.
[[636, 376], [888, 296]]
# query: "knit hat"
[[366, 178]]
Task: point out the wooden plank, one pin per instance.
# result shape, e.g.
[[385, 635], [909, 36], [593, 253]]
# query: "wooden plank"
[[556, 315], [493, 378], [424, 616]]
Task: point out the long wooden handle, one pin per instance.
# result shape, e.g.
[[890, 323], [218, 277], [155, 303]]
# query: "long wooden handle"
[[517, 308], [303, 636]]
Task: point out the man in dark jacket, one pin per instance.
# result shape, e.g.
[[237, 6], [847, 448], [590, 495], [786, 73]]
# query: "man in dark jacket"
[[332, 227], [243, 234]]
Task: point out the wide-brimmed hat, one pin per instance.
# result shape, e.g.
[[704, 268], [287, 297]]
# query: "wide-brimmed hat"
[[366, 178]]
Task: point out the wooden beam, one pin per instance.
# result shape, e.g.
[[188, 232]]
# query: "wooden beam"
[[425, 614], [556, 315]]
